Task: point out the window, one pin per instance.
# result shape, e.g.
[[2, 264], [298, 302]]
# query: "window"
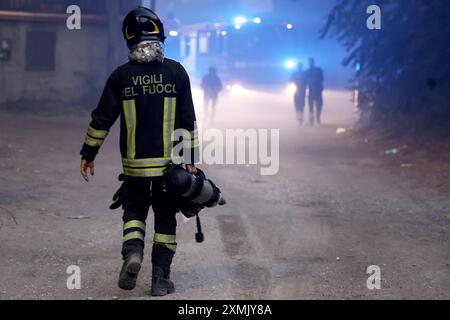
[[40, 51]]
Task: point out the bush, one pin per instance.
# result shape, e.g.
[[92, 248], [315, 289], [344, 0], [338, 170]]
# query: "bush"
[[404, 68]]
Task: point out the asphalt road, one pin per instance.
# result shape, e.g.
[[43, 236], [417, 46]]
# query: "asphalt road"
[[308, 232]]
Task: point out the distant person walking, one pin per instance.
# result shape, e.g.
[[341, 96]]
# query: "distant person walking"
[[300, 80], [315, 85], [211, 85]]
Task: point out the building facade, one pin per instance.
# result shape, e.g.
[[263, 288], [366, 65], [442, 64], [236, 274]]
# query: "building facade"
[[43, 63]]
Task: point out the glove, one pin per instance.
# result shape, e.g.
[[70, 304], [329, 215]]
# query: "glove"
[[118, 196]]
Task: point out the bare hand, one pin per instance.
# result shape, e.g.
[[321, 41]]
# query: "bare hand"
[[84, 168], [191, 168]]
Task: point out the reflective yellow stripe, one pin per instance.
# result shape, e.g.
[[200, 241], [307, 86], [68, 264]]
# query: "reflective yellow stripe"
[[127, 35], [129, 108], [165, 120], [134, 224], [172, 247], [136, 163], [145, 159], [169, 124], [165, 238], [152, 167], [172, 123], [151, 164], [133, 235], [94, 139], [93, 142], [135, 172], [101, 134]]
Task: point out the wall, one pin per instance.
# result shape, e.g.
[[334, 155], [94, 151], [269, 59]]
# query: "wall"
[[83, 58], [81, 66]]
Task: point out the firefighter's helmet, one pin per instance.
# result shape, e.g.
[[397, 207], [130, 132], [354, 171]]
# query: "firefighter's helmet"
[[142, 24]]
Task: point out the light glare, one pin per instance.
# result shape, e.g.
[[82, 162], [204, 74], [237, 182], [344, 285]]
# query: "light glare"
[[292, 88], [237, 90], [289, 64], [240, 20]]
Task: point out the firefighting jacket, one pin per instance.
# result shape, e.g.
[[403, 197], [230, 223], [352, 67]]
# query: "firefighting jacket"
[[154, 101]]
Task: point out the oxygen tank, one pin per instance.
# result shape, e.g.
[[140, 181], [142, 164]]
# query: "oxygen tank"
[[197, 191], [195, 188]]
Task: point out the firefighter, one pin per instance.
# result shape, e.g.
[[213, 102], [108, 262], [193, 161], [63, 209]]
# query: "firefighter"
[[211, 85], [152, 96], [315, 86], [299, 79]]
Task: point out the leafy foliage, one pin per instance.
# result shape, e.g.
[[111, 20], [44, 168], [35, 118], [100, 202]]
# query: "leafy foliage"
[[404, 67]]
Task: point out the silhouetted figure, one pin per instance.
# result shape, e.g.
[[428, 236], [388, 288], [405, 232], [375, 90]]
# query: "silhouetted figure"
[[211, 85], [300, 81], [315, 85]]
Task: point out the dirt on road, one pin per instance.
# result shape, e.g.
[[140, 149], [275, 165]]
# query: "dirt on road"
[[311, 231]]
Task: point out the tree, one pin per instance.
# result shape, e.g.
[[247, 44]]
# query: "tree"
[[403, 68]]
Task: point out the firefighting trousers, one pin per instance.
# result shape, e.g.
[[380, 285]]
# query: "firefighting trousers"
[[315, 99], [138, 196], [299, 100]]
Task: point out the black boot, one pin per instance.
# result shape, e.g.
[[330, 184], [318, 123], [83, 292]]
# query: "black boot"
[[161, 284], [161, 261], [130, 270]]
